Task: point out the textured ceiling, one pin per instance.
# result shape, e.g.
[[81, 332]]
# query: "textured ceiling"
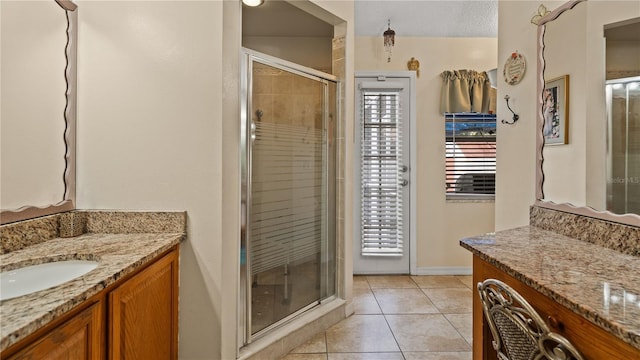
[[431, 18]]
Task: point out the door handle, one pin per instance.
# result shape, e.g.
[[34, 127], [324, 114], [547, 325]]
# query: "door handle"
[[252, 132]]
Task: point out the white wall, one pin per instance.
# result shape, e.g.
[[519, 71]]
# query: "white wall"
[[149, 135], [516, 159], [440, 224], [159, 130]]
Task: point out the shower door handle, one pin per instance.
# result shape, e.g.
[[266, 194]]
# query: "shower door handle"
[[252, 132]]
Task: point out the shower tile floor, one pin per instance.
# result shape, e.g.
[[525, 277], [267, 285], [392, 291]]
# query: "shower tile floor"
[[399, 317], [269, 300]]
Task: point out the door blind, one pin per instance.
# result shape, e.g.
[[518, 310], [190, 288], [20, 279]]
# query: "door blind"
[[380, 188]]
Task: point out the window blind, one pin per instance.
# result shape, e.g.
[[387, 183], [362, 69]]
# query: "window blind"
[[470, 154], [381, 190]]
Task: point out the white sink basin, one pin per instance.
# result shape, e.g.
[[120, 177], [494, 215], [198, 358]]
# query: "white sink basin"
[[29, 279]]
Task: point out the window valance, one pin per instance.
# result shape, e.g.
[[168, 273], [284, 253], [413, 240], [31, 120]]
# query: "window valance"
[[465, 91]]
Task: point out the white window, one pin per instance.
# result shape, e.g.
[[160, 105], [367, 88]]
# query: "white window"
[[471, 155]]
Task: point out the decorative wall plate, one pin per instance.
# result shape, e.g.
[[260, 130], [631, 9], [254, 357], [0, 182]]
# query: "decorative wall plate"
[[514, 68]]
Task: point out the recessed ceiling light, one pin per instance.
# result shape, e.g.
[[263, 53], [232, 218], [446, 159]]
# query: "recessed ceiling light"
[[253, 3]]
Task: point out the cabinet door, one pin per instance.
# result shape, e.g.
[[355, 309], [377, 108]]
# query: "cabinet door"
[[143, 313], [78, 338]]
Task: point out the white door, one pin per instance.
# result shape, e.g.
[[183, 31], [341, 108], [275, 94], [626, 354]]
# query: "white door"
[[382, 241]]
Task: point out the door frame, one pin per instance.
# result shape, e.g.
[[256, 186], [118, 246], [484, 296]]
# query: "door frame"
[[411, 76]]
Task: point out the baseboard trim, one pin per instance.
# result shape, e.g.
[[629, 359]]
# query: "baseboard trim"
[[444, 270]]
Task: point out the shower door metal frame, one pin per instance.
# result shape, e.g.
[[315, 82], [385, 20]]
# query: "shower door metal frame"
[[245, 335]]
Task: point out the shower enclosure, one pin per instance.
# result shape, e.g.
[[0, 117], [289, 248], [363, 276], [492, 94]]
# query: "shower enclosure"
[[288, 249], [623, 173]]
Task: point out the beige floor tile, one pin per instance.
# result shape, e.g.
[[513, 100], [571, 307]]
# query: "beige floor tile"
[[412, 321], [437, 355], [440, 281], [451, 301], [366, 356], [426, 332], [463, 323], [360, 282], [364, 302], [467, 280], [391, 282], [317, 344], [361, 333], [305, 357], [404, 301]]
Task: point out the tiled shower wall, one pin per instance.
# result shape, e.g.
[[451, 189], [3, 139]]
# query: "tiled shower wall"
[[285, 98]]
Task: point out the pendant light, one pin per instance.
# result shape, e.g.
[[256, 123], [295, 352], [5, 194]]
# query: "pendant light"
[[389, 40]]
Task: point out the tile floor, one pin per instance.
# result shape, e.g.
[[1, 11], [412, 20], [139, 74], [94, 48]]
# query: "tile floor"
[[270, 303], [399, 317]]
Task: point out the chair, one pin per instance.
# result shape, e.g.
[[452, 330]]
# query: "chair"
[[519, 333]]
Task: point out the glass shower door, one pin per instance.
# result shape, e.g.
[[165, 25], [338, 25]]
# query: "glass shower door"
[[623, 183], [290, 236]]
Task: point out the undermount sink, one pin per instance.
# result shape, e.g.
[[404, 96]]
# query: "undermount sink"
[[29, 279]]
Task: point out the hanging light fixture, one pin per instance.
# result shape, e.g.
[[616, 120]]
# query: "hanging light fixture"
[[253, 3], [389, 40]]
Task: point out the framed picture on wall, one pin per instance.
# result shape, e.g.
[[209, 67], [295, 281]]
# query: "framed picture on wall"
[[555, 108]]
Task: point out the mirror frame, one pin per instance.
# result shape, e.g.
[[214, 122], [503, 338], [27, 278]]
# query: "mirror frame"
[[628, 219], [69, 177]]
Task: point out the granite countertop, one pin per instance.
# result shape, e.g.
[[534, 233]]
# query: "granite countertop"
[[118, 254], [600, 284]]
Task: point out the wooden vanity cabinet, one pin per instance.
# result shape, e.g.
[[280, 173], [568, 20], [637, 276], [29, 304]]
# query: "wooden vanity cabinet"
[[592, 341], [143, 313], [135, 318], [80, 337]]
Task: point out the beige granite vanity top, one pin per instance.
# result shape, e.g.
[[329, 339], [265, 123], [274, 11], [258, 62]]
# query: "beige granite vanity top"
[[118, 254], [600, 284]]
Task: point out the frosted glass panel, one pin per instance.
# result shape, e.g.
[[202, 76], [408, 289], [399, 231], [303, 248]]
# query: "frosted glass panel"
[[623, 102], [290, 181]]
